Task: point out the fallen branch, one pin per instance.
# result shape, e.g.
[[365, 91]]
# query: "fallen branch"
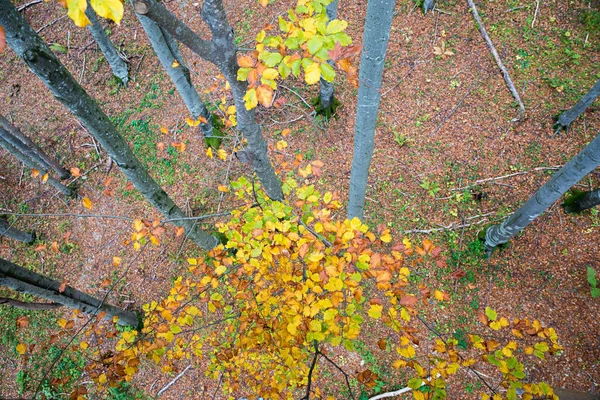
[[499, 62], [391, 394], [31, 3], [480, 181], [29, 306], [161, 391], [451, 112], [452, 226]]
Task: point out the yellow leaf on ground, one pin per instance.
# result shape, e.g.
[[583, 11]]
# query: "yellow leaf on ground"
[[34, 173], [164, 130], [209, 152], [222, 154], [87, 203], [21, 348], [138, 225], [282, 144]]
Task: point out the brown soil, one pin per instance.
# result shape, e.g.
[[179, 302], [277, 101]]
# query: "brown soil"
[[445, 122]]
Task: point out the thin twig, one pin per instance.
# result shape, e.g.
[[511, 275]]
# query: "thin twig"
[[453, 111], [537, 7], [451, 227], [51, 23], [480, 181], [310, 372], [499, 62], [26, 5], [342, 371], [391, 394], [161, 391]]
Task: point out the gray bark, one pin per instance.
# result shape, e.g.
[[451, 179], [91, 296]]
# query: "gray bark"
[[327, 88], [166, 49], [581, 201], [16, 138], [579, 166], [25, 281], [7, 230], [566, 118], [30, 47], [221, 51], [118, 66], [375, 40], [31, 164]]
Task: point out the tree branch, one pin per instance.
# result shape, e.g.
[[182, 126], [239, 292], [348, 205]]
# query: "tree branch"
[[29, 306]]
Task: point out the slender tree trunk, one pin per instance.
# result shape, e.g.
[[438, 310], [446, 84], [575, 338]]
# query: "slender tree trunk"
[[327, 89], [7, 230], [16, 138], [25, 281], [29, 306], [566, 118], [221, 51], [31, 164], [166, 49], [579, 166], [118, 66], [581, 201], [377, 33], [30, 47]]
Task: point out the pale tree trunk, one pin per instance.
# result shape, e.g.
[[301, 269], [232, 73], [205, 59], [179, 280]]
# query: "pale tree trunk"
[[579, 166], [118, 66], [327, 89], [30, 47], [221, 51], [375, 40], [581, 201], [566, 118], [25, 281], [167, 52], [29, 163], [16, 138], [7, 230]]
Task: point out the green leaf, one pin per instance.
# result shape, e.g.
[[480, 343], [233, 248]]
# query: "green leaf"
[[270, 59], [58, 48], [336, 26], [296, 67], [343, 38], [491, 314], [315, 44], [415, 383], [327, 72], [595, 292], [242, 74], [591, 276]]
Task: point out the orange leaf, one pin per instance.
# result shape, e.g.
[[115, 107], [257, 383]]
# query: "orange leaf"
[[264, 93], [286, 132], [2, 39], [87, 203], [246, 61], [22, 321], [34, 173], [263, 3], [40, 247], [179, 146], [129, 186], [179, 231], [21, 348], [116, 261], [160, 146], [76, 172], [62, 286], [54, 246], [164, 130]]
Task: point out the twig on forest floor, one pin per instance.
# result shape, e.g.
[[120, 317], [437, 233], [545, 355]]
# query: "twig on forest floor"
[[514, 9], [26, 5], [453, 111], [391, 394], [51, 23], [161, 391], [453, 225], [297, 94], [499, 62], [480, 181], [138, 67], [537, 7]]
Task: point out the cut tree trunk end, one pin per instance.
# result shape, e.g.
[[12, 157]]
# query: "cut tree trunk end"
[[580, 201], [565, 119], [7, 230]]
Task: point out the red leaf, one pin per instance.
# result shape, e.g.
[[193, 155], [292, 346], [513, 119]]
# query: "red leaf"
[[408, 301], [459, 273]]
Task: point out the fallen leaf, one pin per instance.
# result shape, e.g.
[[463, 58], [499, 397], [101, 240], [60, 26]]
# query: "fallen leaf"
[[22, 321], [87, 203], [62, 286], [76, 172]]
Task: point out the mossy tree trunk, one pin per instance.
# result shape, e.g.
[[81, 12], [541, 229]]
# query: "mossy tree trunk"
[[580, 201], [41, 61]]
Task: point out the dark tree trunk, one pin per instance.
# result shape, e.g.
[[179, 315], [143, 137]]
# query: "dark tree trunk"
[[7, 230], [118, 66], [327, 90], [25, 281], [566, 118], [30, 163], [580, 201], [16, 138], [166, 49], [30, 47], [377, 33], [221, 51], [29, 306], [579, 166]]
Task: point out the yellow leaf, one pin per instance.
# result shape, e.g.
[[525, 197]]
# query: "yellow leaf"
[[77, 12], [154, 240], [109, 9], [250, 99], [83, 345], [223, 188], [34, 173], [164, 130], [386, 237], [192, 122], [175, 329], [222, 154], [312, 73], [375, 311], [209, 152], [138, 225], [440, 296], [220, 270], [264, 95], [282, 144], [102, 378], [270, 73], [45, 177], [175, 64], [116, 261], [21, 348], [87, 203]]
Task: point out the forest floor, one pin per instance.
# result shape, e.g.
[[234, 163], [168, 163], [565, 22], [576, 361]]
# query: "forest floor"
[[448, 161]]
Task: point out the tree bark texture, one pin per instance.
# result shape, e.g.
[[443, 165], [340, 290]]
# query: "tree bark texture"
[[25, 281], [167, 52], [16, 138], [29, 306], [221, 51], [375, 40], [30, 47], [566, 118], [30, 163], [327, 89], [118, 66], [579, 166], [581, 201], [7, 230]]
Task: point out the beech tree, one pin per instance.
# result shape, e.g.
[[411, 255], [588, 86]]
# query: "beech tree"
[[580, 200], [376, 36], [326, 94], [566, 118], [8, 230]]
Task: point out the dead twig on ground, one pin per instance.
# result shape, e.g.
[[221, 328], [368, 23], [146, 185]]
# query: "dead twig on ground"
[[453, 225], [27, 5], [537, 8], [499, 62], [480, 181], [453, 111], [161, 391], [51, 23]]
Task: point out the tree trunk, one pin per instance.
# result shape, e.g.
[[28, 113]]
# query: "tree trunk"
[[29, 306], [377, 33], [7, 230], [580, 201], [31, 164], [25, 281], [221, 51], [118, 66], [326, 94], [30, 47], [566, 118], [166, 49], [16, 138], [579, 166]]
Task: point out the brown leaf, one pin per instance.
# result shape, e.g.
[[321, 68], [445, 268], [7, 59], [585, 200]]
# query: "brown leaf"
[[280, 102], [129, 186], [264, 93], [40, 247], [22, 321], [62, 286], [482, 317], [382, 344], [408, 301], [459, 273], [2, 39]]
